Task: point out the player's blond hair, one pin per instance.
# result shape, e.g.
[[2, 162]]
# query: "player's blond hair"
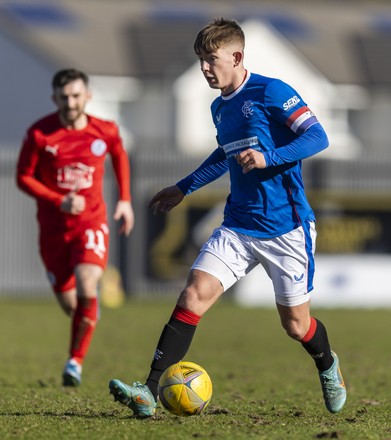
[[220, 32]]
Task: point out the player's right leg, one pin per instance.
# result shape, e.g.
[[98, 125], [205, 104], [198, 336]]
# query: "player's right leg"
[[201, 292], [137, 397], [211, 274]]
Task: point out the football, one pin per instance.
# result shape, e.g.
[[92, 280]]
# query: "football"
[[185, 389]]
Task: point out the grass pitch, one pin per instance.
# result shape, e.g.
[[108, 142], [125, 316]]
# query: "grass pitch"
[[265, 385]]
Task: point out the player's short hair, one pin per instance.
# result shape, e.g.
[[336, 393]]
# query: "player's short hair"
[[65, 76], [219, 32]]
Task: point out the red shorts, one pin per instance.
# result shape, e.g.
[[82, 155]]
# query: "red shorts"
[[61, 252]]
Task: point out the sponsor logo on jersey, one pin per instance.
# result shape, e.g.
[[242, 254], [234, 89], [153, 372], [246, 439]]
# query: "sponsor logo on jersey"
[[234, 148], [290, 103], [98, 147], [75, 176], [247, 109], [52, 149], [218, 118]]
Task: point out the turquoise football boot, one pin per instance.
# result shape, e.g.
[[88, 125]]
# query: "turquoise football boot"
[[137, 397], [333, 386]]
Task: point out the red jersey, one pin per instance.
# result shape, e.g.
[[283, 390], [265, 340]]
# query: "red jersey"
[[55, 160]]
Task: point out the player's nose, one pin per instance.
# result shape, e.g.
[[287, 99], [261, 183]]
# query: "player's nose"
[[204, 66]]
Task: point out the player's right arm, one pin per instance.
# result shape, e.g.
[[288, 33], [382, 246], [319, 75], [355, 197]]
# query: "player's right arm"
[[211, 169], [166, 199], [71, 203], [215, 166], [26, 169]]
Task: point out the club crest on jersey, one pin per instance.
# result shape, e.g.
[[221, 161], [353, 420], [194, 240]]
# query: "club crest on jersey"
[[98, 147], [247, 109]]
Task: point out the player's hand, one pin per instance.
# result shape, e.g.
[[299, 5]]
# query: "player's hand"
[[124, 210], [166, 199], [73, 203], [250, 159]]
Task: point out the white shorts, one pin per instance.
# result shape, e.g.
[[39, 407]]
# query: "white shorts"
[[288, 260]]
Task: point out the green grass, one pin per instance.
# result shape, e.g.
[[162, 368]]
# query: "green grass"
[[265, 385]]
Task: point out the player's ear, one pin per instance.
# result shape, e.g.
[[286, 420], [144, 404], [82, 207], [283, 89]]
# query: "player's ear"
[[54, 99], [238, 58], [88, 94]]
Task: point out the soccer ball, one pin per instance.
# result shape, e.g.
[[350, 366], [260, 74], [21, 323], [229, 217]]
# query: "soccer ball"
[[185, 389]]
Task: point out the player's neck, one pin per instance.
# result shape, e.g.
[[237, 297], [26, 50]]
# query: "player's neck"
[[78, 124], [236, 83]]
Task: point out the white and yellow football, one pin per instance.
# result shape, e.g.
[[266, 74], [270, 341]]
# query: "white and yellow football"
[[185, 389]]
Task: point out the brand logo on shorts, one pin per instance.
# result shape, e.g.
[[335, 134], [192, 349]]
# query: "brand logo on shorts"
[[298, 279], [52, 278]]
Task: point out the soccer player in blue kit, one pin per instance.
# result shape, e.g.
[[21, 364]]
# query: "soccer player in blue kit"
[[264, 130]]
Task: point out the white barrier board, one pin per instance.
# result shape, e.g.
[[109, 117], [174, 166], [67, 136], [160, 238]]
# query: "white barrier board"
[[353, 281]]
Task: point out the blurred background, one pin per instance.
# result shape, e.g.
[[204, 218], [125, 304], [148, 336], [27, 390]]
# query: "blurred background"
[[145, 76]]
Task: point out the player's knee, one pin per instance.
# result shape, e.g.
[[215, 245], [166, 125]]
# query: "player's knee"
[[190, 295], [69, 309], [193, 300], [294, 329]]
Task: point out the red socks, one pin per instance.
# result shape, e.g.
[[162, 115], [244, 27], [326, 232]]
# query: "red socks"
[[185, 316], [83, 326], [311, 331]]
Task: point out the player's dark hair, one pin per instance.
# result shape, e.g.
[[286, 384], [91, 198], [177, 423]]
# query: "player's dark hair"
[[65, 76], [219, 32]]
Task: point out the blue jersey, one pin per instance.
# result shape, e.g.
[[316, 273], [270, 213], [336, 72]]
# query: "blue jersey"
[[267, 115]]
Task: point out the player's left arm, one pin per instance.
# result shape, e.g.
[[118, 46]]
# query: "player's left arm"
[[286, 107], [311, 142], [121, 167], [124, 210]]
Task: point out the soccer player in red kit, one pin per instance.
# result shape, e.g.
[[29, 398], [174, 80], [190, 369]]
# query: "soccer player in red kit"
[[61, 164]]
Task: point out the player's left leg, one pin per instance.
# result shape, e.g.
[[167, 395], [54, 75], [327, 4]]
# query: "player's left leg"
[[312, 334], [88, 258], [83, 321], [290, 263]]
